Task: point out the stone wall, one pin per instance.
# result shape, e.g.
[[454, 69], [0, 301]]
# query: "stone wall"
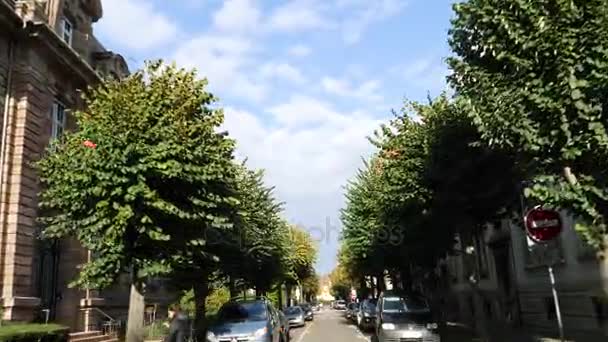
[[4, 60]]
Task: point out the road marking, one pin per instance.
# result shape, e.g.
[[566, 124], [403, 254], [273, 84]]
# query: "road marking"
[[305, 331]]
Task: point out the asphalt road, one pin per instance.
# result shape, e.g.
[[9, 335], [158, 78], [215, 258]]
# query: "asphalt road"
[[331, 326], [328, 326]]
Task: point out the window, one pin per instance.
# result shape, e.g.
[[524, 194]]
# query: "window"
[[66, 31], [57, 120], [252, 311]]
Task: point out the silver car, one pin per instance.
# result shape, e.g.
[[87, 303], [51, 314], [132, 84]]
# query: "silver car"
[[405, 317], [254, 320]]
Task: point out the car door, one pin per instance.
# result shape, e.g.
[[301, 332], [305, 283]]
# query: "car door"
[[379, 315]]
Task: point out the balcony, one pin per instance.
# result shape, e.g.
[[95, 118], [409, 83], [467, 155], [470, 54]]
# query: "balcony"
[[10, 3], [30, 10]]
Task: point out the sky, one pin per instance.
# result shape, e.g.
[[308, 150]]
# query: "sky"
[[302, 82]]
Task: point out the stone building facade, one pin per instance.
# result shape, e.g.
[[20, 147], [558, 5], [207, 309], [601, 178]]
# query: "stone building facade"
[[513, 288], [48, 57]]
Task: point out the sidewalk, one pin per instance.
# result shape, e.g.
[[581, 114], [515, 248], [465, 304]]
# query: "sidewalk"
[[500, 332]]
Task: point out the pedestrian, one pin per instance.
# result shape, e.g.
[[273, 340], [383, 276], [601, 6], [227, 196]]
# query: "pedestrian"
[[178, 325]]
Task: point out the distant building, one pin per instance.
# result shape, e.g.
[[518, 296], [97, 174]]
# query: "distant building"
[[325, 286]]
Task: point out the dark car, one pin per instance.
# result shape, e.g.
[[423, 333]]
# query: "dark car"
[[366, 316], [405, 317], [308, 313], [253, 320], [351, 310], [295, 316]]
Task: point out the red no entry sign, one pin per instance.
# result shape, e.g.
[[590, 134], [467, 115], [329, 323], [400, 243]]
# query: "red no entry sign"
[[543, 225]]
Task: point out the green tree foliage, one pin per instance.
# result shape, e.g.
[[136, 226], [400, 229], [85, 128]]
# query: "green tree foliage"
[[310, 286], [145, 177], [302, 254], [263, 233], [429, 180], [534, 76]]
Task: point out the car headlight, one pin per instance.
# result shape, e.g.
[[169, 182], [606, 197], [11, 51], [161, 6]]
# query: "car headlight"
[[211, 337], [432, 326], [365, 314], [260, 332], [388, 326]]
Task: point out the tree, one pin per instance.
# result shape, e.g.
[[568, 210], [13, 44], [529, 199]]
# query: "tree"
[[300, 258], [263, 239], [143, 180], [341, 283], [534, 76], [310, 286]]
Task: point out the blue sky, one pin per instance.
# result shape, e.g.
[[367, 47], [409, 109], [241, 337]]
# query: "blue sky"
[[302, 82]]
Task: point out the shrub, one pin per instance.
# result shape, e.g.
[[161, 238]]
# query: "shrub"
[[33, 333]]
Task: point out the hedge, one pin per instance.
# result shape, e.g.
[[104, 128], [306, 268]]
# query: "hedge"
[[33, 333]]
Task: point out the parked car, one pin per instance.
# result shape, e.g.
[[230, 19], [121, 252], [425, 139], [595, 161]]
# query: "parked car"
[[246, 320], [295, 316], [308, 314], [351, 311], [340, 305], [366, 315], [405, 317]]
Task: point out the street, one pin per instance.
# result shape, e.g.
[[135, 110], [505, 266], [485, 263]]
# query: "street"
[[329, 325]]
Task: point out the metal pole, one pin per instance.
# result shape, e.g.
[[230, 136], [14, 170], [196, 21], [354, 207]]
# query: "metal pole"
[[558, 311]]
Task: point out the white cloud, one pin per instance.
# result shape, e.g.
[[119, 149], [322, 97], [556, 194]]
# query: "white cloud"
[[366, 14], [237, 16], [222, 60], [135, 24], [367, 91], [299, 15], [309, 143], [283, 71], [299, 50], [428, 73]]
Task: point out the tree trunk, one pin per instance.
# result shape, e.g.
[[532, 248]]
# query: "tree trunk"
[[201, 291], [364, 288], [232, 287], [288, 294], [280, 296], [135, 322], [379, 284]]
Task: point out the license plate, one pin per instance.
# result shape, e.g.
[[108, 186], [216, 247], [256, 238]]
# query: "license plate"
[[412, 334]]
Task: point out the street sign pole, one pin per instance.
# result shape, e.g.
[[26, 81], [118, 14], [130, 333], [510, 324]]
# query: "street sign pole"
[[558, 311], [543, 226]]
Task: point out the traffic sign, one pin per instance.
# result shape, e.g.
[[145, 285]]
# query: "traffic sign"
[[543, 225]]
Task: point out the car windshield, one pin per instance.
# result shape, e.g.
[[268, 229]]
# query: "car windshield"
[[341, 302], [305, 306], [293, 310], [369, 305], [405, 304], [252, 311]]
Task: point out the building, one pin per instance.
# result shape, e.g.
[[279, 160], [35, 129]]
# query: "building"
[[506, 280], [48, 57]]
